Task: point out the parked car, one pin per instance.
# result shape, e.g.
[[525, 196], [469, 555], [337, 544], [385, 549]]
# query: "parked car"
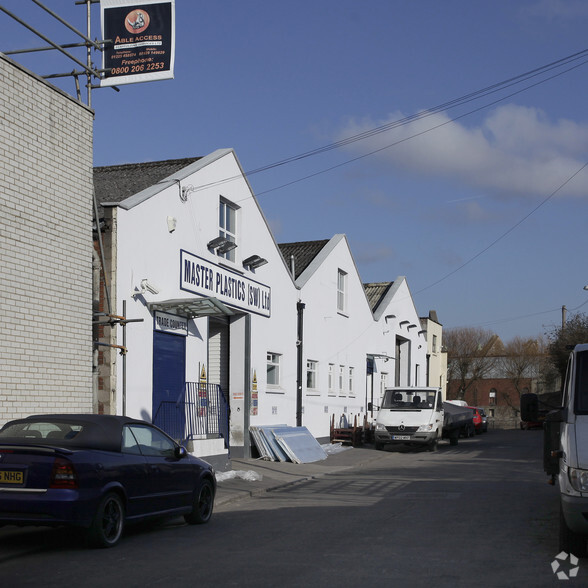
[[484, 419], [477, 417], [98, 472]]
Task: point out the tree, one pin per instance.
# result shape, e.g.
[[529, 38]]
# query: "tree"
[[562, 339], [521, 363], [471, 355]]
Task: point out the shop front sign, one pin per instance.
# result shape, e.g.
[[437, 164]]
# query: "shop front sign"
[[202, 277]]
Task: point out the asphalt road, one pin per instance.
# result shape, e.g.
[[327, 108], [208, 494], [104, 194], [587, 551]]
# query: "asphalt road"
[[480, 513]]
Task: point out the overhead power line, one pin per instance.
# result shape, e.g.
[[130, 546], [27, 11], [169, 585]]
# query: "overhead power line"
[[570, 62], [431, 111]]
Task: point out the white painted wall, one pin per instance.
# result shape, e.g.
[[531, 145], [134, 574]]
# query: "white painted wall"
[[45, 247], [345, 339], [146, 249]]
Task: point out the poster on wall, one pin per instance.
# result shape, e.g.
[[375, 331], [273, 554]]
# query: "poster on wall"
[[142, 35]]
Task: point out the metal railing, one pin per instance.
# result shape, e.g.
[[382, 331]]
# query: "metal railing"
[[200, 412]]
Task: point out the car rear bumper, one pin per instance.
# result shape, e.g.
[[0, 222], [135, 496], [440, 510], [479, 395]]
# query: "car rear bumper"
[[49, 507]]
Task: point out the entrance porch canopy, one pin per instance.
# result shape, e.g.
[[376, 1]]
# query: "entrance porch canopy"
[[192, 307]]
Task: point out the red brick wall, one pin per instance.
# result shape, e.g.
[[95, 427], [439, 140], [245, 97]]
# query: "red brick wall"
[[500, 411]]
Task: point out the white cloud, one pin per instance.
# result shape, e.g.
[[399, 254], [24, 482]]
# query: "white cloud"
[[515, 150], [556, 9]]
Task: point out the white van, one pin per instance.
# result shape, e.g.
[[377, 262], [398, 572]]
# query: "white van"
[[565, 455]]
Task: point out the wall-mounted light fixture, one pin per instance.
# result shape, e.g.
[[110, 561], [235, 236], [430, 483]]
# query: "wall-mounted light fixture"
[[254, 262], [221, 244]]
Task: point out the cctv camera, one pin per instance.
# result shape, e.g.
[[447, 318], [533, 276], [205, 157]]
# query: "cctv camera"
[[145, 285]]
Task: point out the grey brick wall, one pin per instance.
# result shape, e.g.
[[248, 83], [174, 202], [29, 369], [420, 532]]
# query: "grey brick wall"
[[45, 247]]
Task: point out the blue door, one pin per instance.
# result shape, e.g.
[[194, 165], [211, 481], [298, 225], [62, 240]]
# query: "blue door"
[[169, 380]]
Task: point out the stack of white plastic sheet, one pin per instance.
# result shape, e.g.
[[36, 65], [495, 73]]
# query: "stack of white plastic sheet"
[[282, 443]]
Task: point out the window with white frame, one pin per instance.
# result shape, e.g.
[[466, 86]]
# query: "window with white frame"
[[434, 343], [311, 374], [227, 228], [383, 383], [331, 378], [350, 381], [341, 379], [342, 291], [273, 369]]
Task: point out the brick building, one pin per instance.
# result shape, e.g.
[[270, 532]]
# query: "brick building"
[[497, 396], [45, 247]]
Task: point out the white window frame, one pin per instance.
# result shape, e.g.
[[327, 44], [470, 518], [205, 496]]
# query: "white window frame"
[[312, 374], [273, 361], [332, 379], [341, 291], [351, 375], [341, 380], [383, 384], [225, 232]]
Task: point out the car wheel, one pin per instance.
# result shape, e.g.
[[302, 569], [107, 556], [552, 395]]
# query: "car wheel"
[[569, 541], [202, 505], [378, 445], [109, 521]]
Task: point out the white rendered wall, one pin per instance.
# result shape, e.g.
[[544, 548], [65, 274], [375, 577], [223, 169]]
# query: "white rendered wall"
[[147, 250]]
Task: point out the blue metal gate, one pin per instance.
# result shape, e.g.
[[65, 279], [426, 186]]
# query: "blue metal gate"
[[201, 411]]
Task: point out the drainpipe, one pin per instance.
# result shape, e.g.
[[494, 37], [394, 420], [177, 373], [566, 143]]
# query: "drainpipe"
[[96, 266], [299, 372]]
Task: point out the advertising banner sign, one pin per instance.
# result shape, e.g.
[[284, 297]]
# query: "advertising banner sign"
[[142, 35], [208, 279]]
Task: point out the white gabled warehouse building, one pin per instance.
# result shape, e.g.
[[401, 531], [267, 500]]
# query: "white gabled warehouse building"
[[284, 334]]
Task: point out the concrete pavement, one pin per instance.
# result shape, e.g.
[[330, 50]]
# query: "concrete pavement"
[[252, 477]]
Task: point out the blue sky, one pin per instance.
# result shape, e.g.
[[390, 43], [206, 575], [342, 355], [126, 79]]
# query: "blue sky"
[[482, 206]]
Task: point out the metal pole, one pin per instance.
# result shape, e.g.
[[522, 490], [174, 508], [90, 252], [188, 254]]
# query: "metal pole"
[[89, 54], [300, 308], [47, 40], [124, 361]]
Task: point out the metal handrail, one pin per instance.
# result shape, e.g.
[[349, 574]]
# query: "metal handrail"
[[201, 411]]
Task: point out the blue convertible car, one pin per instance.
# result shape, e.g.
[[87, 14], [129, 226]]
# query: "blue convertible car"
[[98, 472]]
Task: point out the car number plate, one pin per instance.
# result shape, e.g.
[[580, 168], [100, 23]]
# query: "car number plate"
[[401, 437], [11, 477]]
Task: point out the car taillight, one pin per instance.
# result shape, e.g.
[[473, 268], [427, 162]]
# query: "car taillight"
[[63, 474]]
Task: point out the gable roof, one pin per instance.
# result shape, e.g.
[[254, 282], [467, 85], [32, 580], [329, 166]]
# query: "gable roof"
[[303, 253], [115, 183], [375, 292]]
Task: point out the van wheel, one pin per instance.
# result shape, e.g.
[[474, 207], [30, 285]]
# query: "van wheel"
[[378, 445], [569, 541]]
